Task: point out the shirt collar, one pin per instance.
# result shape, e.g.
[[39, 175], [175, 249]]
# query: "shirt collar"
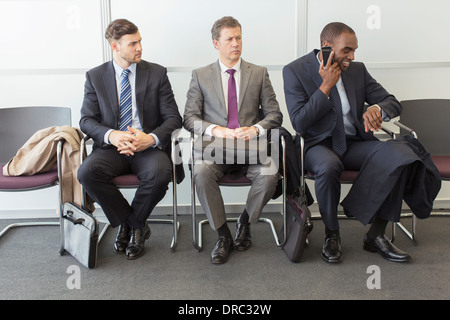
[[236, 67], [119, 69]]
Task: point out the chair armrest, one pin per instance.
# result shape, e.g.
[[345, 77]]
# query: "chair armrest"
[[84, 143], [388, 131], [302, 160], [406, 128], [174, 140]]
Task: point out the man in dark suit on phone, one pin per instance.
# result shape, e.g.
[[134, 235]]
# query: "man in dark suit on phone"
[[327, 104], [130, 112]]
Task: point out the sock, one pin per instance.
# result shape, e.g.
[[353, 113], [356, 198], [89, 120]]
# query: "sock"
[[224, 231], [377, 228], [244, 217], [330, 232]]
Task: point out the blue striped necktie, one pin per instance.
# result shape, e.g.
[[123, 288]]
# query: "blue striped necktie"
[[338, 134], [125, 102]]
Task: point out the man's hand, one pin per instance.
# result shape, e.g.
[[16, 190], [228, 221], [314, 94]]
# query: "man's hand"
[[243, 133], [131, 141], [330, 75], [142, 140], [246, 133], [123, 141], [222, 132], [372, 119]]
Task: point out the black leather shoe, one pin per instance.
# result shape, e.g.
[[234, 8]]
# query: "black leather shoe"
[[222, 250], [122, 239], [385, 248], [136, 245], [243, 239], [331, 249]]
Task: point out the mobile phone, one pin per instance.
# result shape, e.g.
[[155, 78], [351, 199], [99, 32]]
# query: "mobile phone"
[[326, 51]]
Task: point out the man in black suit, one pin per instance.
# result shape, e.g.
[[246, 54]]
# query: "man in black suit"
[[130, 112], [327, 107]]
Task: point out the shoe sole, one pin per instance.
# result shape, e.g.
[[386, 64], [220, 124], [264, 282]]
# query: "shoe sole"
[[331, 260], [239, 248]]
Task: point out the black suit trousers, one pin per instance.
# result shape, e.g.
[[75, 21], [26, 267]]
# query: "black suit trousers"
[[327, 168], [153, 168]]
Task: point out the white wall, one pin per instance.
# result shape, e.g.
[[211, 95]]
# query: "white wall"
[[48, 45]]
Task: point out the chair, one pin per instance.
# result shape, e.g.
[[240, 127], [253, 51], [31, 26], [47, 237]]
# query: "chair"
[[226, 181], [427, 120], [349, 177], [131, 181], [17, 125]]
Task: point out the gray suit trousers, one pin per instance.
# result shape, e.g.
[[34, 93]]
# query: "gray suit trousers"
[[207, 177]]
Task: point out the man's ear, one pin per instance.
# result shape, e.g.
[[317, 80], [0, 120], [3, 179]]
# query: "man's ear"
[[114, 46], [216, 44]]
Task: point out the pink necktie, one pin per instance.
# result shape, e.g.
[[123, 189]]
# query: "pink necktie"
[[233, 119]]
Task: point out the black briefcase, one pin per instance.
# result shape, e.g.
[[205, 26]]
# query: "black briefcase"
[[298, 226], [79, 235]]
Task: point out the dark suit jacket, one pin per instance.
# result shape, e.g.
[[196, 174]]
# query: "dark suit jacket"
[[312, 113], [422, 181], [158, 111]]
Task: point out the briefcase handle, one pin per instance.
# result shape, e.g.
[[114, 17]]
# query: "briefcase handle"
[[71, 219]]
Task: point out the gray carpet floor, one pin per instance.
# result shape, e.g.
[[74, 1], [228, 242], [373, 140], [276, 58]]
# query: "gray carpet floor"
[[32, 268]]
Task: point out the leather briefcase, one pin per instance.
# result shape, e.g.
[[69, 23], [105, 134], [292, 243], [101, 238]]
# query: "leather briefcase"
[[298, 226], [79, 236]]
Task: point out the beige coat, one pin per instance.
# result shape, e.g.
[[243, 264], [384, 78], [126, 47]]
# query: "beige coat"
[[39, 154]]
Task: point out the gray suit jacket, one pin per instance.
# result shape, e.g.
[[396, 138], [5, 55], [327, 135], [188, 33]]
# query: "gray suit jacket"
[[205, 103], [312, 113], [157, 109]]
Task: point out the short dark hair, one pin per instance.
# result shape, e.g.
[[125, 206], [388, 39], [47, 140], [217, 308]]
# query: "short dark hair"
[[332, 30], [225, 22], [119, 28]]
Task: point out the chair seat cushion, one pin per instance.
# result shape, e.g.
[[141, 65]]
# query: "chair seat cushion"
[[346, 176], [349, 176], [443, 165], [228, 180], [37, 181], [129, 180]]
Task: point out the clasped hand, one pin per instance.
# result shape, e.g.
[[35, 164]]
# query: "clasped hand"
[[131, 141], [242, 133]]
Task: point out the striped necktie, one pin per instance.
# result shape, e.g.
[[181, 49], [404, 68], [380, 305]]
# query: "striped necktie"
[[125, 102], [338, 134]]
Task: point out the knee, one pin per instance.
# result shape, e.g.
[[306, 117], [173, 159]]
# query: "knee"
[[158, 178], [204, 173], [329, 168], [87, 171]]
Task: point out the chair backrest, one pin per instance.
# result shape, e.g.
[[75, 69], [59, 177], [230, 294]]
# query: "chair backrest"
[[18, 124], [430, 119]]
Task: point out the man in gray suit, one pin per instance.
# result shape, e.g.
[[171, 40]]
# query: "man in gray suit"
[[231, 99], [130, 112]]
